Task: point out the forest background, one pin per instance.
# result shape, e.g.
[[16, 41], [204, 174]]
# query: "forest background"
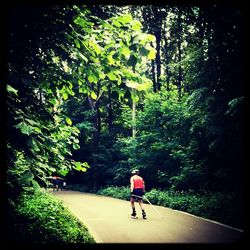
[[93, 92]]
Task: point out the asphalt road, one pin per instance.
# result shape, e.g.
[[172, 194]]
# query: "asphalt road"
[[108, 220]]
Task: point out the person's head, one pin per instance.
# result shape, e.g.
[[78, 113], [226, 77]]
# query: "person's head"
[[135, 171]]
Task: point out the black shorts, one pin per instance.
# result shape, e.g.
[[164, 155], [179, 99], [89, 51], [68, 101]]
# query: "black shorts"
[[137, 192]]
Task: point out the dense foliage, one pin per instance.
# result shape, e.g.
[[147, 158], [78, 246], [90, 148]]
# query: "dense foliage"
[[94, 91], [39, 218]]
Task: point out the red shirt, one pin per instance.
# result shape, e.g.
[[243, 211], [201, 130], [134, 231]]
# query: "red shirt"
[[137, 181]]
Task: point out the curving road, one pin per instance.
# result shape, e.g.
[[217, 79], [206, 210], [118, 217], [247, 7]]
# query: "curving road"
[[108, 220]]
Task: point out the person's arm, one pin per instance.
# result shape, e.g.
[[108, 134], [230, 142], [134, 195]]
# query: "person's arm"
[[131, 184]]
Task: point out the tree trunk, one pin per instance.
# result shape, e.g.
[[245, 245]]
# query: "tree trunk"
[[179, 78], [158, 58], [110, 110], [95, 143], [153, 75], [133, 118]]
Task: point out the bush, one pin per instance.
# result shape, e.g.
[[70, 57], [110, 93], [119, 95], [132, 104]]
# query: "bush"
[[222, 207], [39, 217], [116, 192]]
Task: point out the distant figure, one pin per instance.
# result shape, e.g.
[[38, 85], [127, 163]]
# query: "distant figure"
[[64, 185], [137, 187], [55, 182]]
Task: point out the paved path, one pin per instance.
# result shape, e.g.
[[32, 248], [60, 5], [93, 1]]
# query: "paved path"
[[108, 220]]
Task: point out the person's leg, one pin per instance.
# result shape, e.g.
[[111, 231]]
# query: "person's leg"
[[142, 209], [132, 201], [140, 204]]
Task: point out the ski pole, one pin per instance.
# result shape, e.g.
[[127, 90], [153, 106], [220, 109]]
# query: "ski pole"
[[141, 197]]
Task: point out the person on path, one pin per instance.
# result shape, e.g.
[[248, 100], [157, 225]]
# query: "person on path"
[[55, 181], [137, 187]]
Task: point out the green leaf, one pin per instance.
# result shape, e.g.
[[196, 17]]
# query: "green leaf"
[[69, 91], [10, 89], [38, 130], [112, 76], [125, 51], [25, 128], [101, 75], [135, 97], [81, 166], [151, 38], [61, 157], [93, 95], [34, 145], [136, 25], [77, 43], [85, 59], [68, 120], [31, 122], [65, 95], [116, 23], [53, 101], [82, 22], [95, 46], [93, 78], [132, 84], [145, 85], [111, 59], [54, 150], [152, 54], [63, 172], [125, 19]]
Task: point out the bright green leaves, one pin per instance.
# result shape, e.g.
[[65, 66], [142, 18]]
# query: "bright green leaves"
[[152, 54], [34, 145], [68, 120], [135, 97], [56, 59], [144, 86], [77, 43], [94, 45], [136, 25], [93, 75], [76, 146], [111, 51], [83, 57], [125, 51], [110, 58], [140, 87], [53, 101], [25, 128], [122, 20], [86, 25], [148, 51], [93, 78], [93, 95], [132, 84], [66, 91], [143, 38], [10, 89], [81, 166], [112, 76]]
